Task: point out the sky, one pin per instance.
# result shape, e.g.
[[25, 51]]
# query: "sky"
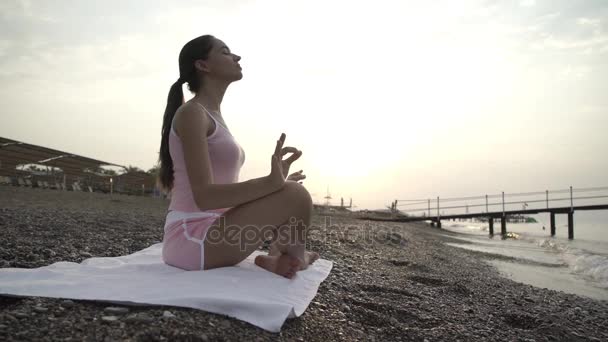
[[386, 99]]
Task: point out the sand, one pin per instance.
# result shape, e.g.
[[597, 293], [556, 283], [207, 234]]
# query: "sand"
[[391, 281]]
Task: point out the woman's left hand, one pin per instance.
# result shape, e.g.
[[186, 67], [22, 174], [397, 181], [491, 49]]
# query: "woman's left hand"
[[297, 176], [295, 154]]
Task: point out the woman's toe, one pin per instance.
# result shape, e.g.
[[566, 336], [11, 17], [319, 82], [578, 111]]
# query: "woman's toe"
[[314, 257]]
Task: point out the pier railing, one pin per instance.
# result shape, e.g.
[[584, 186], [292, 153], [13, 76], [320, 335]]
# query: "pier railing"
[[502, 206]]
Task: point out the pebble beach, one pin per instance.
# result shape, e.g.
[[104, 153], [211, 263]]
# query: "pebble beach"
[[390, 282]]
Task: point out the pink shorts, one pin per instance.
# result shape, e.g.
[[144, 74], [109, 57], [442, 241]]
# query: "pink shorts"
[[183, 240]]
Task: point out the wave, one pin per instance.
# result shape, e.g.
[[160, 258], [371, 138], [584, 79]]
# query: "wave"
[[589, 265], [472, 227], [583, 258]]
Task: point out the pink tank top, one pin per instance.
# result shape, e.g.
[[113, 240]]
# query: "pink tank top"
[[226, 156]]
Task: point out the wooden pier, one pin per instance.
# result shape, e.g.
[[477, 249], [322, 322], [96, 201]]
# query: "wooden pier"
[[503, 217], [504, 214]]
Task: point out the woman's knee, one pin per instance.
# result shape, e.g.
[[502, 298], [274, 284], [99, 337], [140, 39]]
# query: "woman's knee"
[[297, 192]]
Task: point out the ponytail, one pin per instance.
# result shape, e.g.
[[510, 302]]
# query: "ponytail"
[[174, 100]]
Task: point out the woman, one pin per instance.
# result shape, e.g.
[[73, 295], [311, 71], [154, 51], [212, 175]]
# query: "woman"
[[214, 220]]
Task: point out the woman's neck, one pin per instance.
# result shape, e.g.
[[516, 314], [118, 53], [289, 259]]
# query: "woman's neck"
[[211, 95]]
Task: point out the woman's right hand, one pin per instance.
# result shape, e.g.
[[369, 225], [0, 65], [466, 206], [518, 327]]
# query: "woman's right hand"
[[276, 177]]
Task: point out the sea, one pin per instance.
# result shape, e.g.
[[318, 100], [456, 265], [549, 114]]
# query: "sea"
[[532, 256]]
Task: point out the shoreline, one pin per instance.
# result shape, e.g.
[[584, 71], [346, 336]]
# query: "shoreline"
[[575, 266], [390, 281]]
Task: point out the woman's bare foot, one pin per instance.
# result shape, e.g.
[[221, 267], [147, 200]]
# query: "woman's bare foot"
[[283, 265], [309, 259]]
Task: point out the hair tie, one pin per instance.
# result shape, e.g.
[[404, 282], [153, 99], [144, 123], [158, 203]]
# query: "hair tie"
[[180, 80]]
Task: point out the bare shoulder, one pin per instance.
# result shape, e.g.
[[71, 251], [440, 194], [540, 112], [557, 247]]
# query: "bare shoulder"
[[189, 117]]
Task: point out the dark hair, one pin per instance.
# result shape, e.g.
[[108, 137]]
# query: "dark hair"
[[197, 48]]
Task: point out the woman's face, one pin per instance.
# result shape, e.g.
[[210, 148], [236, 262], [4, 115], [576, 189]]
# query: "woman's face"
[[222, 63]]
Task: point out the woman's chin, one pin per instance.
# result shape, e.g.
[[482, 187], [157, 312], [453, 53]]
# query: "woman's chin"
[[234, 77]]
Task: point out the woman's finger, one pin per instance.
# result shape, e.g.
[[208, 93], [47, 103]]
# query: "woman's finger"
[[296, 177], [280, 142], [288, 149], [294, 157]]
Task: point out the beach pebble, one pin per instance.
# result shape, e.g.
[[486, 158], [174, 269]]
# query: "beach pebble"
[[50, 252], [21, 315], [143, 318], [345, 308], [9, 317], [68, 303], [86, 254], [114, 310], [226, 324], [109, 319], [577, 335], [321, 305], [399, 262], [168, 314], [40, 309]]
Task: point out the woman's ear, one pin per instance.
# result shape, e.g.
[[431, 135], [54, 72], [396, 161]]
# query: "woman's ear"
[[201, 65]]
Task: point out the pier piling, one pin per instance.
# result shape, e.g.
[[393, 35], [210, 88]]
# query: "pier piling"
[[571, 225], [491, 222], [552, 223]]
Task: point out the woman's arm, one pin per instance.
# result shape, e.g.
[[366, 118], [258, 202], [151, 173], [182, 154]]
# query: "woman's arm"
[[193, 125]]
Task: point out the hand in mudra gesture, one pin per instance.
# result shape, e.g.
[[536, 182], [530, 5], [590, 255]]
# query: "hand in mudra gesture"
[[297, 176], [280, 166]]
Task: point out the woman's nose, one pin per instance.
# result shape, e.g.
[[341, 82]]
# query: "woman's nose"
[[237, 58]]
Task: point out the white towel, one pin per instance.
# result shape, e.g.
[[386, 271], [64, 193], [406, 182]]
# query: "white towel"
[[245, 291]]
